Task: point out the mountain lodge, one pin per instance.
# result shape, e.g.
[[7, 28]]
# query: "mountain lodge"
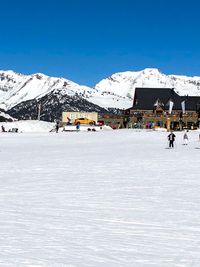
[[163, 107]]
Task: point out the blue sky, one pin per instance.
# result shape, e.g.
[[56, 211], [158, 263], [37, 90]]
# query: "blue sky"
[[87, 40]]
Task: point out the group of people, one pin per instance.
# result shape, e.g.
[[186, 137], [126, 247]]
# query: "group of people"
[[58, 126], [12, 130], [172, 136]]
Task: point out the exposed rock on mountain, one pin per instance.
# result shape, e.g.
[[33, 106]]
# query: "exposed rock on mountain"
[[20, 94]]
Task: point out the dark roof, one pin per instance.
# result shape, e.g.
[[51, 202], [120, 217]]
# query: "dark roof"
[[145, 99], [191, 102]]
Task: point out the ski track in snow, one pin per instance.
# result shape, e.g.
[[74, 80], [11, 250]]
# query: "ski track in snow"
[[112, 198]]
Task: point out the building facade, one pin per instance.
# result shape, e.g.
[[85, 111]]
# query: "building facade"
[[70, 116], [163, 107]]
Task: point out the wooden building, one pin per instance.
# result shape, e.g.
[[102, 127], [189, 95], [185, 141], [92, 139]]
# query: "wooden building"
[[152, 107]]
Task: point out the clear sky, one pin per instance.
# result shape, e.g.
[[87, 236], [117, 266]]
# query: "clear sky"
[[88, 40]]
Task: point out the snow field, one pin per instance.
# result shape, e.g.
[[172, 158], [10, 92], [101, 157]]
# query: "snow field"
[[29, 126], [110, 198], [35, 126]]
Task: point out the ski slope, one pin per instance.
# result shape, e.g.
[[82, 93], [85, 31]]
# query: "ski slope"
[[99, 199]]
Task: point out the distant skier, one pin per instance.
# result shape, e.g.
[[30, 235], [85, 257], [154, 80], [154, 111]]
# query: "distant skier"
[[57, 126], [78, 127], [3, 129], [185, 139], [171, 138]]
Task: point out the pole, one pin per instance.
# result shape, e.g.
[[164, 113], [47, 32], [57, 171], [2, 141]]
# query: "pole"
[[180, 124], [168, 123], [186, 121], [39, 111]]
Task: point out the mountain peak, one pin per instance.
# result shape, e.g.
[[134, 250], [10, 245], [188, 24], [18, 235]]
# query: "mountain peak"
[[152, 71], [116, 91]]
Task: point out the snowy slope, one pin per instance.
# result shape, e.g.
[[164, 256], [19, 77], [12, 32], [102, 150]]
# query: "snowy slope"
[[124, 83], [35, 126], [88, 200], [29, 126], [116, 91], [5, 117], [16, 88], [52, 106]]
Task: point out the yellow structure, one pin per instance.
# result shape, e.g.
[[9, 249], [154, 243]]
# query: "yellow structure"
[[71, 116], [168, 123]]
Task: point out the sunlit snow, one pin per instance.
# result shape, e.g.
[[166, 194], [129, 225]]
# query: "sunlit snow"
[[110, 198], [116, 91]]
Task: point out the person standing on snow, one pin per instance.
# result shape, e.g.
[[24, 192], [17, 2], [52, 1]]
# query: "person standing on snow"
[[57, 126], [3, 129], [171, 138], [78, 127], [185, 138]]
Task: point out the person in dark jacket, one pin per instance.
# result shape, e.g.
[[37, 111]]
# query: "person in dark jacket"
[[3, 129], [57, 126], [171, 138]]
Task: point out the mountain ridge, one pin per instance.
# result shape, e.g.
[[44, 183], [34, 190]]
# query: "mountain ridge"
[[114, 92]]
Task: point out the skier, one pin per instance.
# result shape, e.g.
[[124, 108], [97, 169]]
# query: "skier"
[[185, 139], [57, 126], [171, 138], [3, 129], [78, 127]]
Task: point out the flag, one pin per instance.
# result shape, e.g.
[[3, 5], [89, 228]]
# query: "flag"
[[171, 104], [135, 101], [183, 106]]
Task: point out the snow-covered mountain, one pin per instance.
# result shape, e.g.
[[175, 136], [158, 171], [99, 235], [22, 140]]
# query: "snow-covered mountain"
[[52, 106], [124, 83], [16, 88], [5, 117], [116, 91]]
